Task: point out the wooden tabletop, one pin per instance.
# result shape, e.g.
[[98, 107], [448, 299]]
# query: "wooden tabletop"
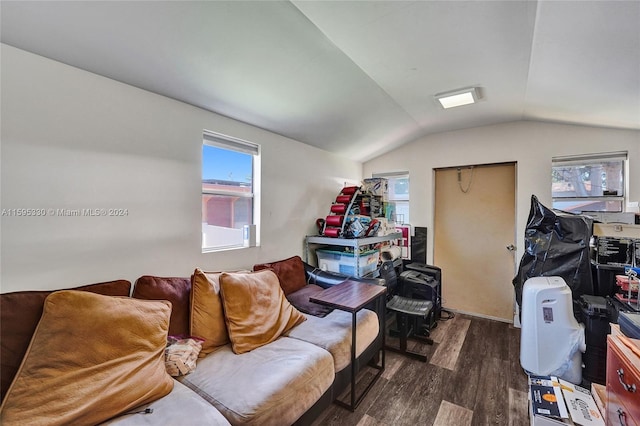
[[349, 295]]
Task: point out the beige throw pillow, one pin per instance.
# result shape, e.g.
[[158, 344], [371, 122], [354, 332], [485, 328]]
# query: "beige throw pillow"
[[207, 317], [91, 357], [256, 310]]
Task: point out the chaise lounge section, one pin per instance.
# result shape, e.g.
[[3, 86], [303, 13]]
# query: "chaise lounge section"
[[289, 379]]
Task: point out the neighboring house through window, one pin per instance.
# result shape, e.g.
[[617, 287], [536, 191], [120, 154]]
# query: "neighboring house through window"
[[589, 183], [398, 194], [230, 172]]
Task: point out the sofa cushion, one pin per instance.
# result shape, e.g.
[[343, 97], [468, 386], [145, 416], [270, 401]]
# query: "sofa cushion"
[[290, 273], [255, 308], [181, 407], [91, 358], [207, 316], [19, 316], [333, 333], [300, 299], [175, 290], [272, 385]]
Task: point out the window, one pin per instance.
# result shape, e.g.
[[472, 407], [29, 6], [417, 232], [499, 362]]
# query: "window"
[[230, 168], [398, 193], [594, 182]]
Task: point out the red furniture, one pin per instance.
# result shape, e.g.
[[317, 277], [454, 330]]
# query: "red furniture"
[[623, 381]]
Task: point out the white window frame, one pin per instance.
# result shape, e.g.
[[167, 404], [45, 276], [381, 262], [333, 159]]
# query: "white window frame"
[[395, 175], [596, 158], [230, 143]]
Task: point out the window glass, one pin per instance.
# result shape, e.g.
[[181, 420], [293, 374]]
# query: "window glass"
[[589, 183], [398, 188], [228, 191]]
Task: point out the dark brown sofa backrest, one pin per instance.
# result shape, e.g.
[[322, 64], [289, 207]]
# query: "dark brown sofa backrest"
[[20, 313], [175, 290]]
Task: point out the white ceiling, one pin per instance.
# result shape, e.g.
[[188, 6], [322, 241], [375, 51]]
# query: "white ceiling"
[[356, 78]]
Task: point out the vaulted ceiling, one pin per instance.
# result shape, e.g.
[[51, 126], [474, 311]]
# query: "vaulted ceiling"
[[355, 77]]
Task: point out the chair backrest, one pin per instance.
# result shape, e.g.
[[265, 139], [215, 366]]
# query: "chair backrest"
[[388, 272]]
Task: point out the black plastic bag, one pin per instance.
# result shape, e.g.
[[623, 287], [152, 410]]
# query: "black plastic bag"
[[556, 244]]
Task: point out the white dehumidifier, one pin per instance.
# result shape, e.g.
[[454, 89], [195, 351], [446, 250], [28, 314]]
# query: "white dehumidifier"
[[551, 340]]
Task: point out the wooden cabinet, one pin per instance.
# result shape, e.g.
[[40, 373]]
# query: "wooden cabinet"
[[623, 382]]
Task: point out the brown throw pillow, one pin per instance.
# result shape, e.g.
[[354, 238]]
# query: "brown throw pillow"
[[300, 300], [207, 317], [176, 290], [256, 310], [92, 357], [290, 273]]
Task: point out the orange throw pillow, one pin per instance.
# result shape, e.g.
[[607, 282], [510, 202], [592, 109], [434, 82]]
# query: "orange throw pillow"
[[207, 317], [256, 310], [91, 358]]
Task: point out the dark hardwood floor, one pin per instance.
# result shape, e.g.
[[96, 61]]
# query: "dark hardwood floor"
[[472, 377]]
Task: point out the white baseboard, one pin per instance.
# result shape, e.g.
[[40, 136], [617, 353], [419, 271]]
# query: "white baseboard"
[[474, 314]]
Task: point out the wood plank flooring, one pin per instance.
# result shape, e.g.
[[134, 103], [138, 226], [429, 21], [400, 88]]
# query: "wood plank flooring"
[[472, 377]]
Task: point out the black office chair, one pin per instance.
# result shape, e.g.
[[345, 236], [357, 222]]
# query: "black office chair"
[[405, 308]]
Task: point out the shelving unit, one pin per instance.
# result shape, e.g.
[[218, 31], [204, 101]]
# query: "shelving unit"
[[354, 243]]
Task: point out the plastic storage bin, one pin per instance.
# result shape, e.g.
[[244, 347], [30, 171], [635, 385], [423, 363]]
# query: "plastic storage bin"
[[630, 324], [616, 307], [345, 262], [623, 282], [604, 279], [595, 316]]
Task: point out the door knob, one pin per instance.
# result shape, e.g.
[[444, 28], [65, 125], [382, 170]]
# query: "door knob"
[[511, 247]]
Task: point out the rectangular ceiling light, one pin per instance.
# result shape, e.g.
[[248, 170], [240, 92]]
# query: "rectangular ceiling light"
[[458, 97]]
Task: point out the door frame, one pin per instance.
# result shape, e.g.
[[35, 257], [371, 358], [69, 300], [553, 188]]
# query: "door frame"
[[516, 313]]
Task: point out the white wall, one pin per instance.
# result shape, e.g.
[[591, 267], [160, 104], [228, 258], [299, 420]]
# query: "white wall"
[[530, 144], [73, 140]]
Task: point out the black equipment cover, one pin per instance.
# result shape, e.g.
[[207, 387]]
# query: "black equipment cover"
[[556, 244]]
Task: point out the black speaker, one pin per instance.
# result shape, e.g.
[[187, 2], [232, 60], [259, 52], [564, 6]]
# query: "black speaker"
[[419, 245]]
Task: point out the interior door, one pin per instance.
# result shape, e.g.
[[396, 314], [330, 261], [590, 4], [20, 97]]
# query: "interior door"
[[474, 234]]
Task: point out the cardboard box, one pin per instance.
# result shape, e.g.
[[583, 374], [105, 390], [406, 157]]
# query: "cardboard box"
[[546, 403], [581, 405], [555, 402], [377, 186], [599, 393]]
